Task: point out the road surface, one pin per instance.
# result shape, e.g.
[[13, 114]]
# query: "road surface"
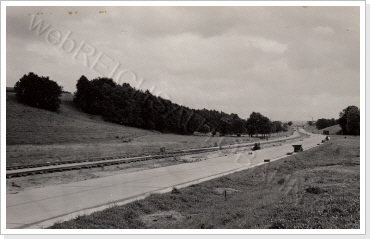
[[41, 207]]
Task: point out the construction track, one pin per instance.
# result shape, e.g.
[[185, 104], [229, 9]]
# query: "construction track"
[[26, 170]]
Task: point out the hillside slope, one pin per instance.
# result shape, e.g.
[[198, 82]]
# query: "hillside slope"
[[332, 129], [29, 125], [37, 136]]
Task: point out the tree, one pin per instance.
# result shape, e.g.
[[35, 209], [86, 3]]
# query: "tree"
[[285, 127], [349, 120], [324, 123], [204, 129], [264, 126], [239, 126], [38, 91], [83, 86], [225, 125], [258, 124], [276, 126], [353, 121], [252, 123], [290, 123]]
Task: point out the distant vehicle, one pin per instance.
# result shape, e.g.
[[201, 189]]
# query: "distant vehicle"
[[257, 146], [298, 148]]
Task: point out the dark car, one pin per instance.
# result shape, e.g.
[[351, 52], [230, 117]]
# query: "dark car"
[[256, 146]]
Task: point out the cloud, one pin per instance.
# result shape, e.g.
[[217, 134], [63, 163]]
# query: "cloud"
[[324, 30], [267, 45], [234, 59]]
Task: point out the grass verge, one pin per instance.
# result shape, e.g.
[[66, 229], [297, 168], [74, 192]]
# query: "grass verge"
[[318, 188], [333, 130]]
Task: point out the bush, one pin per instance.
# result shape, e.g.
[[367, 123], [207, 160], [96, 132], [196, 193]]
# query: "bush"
[[281, 181], [38, 92], [313, 190], [175, 191]]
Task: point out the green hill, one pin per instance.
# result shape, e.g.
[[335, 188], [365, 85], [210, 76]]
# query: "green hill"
[[332, 129], [29, 125]]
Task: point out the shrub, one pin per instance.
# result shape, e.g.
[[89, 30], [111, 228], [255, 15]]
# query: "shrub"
[[313, 190], [281, 181], [175, 191], [38, 92]]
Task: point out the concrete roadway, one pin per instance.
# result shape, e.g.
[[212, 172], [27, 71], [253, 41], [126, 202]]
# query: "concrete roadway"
[[41, 207]]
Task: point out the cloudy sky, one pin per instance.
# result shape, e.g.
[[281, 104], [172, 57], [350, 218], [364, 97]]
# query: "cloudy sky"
[[288, 63]]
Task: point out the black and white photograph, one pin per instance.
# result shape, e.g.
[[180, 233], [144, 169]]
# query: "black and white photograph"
[[197, 117]]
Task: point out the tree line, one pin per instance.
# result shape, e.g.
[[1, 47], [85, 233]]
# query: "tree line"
[[324, 123], [123, 104], [126, 105], [349, 121]]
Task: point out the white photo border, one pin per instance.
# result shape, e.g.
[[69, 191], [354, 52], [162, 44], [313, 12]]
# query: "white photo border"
[[360, 231]]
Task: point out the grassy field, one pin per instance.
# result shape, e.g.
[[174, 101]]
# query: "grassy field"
[[29, 125], [35, 135], [318, 188], [332, 129]]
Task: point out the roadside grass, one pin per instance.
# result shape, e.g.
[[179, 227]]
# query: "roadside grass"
[[333, 130], [36, 136], [318, 188], [145, 145]]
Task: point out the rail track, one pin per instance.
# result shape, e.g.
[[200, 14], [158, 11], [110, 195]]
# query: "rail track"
[[43, 168], [26, 170]]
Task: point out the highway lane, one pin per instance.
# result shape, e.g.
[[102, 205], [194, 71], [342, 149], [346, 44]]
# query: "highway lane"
[[41, 207]]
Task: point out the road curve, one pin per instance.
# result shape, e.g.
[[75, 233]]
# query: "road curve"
[[41, 207]]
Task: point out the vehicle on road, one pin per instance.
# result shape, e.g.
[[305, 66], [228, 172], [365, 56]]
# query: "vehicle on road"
[[256, 146]]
